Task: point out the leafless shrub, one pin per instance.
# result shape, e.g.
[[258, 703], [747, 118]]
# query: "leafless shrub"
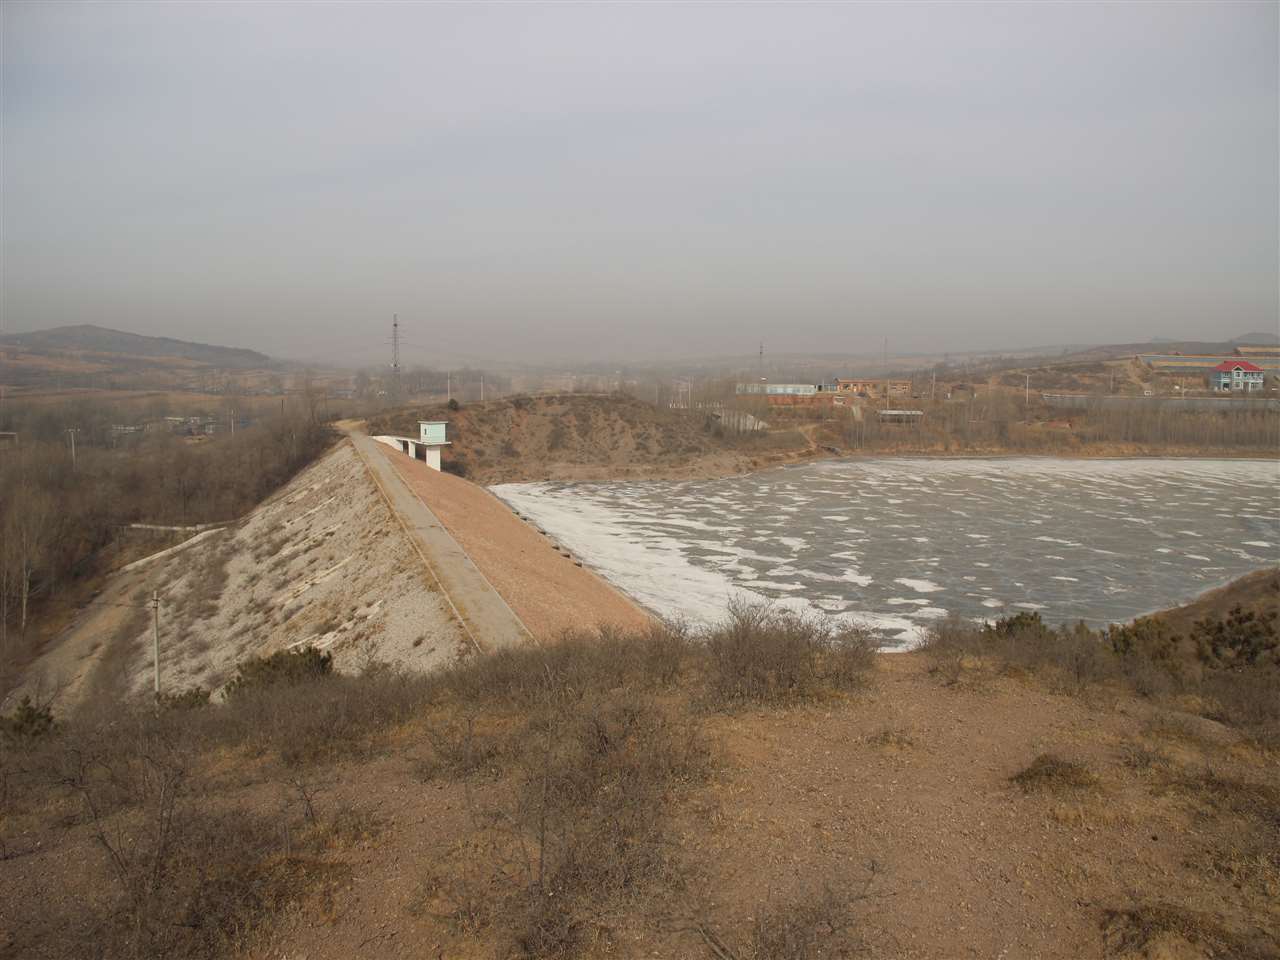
[[948, 645], [458, 751], [185, 880], [1249, 700], [321, 719], [584, 830], [760, 654], [812, 926], [572, 666]]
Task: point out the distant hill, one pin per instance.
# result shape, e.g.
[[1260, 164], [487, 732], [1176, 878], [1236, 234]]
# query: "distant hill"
[[94, 339], [1258, 338]]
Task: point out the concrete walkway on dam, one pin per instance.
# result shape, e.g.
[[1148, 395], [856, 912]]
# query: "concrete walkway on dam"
[[547, 589], [485, 616]]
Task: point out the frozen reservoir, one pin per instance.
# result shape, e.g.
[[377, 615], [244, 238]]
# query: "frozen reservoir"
[[895, 543]]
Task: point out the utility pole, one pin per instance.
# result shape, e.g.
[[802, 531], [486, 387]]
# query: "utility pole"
[[933, 387], [482, 388], [395, 355], [71, 432], [155, 639], [884, 361], [1027, 401], [448, 385]]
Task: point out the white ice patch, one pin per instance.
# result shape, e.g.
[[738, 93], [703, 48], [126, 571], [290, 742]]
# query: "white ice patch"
[[920, 586], [928, 613], [656, 572]]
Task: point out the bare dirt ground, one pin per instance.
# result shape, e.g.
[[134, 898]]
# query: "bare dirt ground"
[[901, 793], [548, 591], [916, 779], [322, 562], [905, 791]]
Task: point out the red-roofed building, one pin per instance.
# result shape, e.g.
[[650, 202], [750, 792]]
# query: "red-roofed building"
[[1240, 375]]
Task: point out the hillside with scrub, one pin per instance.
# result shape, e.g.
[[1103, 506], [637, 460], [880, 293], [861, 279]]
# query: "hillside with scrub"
[[765, 789], [591, 437]]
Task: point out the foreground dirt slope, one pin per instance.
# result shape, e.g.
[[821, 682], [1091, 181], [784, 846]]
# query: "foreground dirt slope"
[[587, 437], [322, 562], [903, 792]]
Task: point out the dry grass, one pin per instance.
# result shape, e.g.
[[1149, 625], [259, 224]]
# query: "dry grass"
[[1144, 658], [892, 738], [1141, 758], [1049, 773], [1164, 929]]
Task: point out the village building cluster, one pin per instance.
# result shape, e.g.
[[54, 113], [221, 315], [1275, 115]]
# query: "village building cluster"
[[1245, 371], [835, 392]]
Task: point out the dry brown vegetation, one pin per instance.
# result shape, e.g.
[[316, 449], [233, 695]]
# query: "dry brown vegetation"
[[998, 421], [1229, 665], [586, 436], [1053, 774], [583, 436], [596, 740], [723, 795], [62, 525]]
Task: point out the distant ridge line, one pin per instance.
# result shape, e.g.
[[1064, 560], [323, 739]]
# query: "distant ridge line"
[[95, 339]]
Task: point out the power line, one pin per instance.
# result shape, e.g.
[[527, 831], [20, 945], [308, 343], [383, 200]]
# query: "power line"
[[395, 353]]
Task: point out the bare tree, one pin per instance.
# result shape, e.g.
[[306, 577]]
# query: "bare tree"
[[28, 532]]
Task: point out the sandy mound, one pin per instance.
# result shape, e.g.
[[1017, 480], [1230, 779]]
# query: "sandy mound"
[[323, 562]]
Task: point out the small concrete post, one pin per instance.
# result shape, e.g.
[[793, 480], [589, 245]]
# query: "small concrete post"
[[155, 639]]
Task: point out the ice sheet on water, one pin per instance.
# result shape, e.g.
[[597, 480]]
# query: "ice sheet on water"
[[678, 547]]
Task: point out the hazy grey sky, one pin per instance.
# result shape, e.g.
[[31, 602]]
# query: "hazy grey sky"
[[540, 180]]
